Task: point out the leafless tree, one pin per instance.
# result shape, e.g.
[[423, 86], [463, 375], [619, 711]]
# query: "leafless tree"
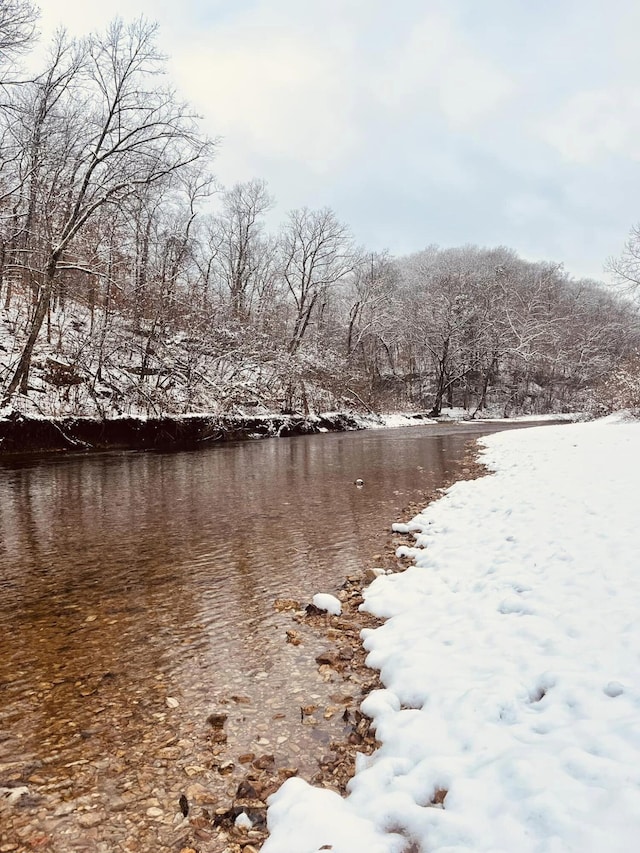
[[317, 252], [116, 131], [237, 234], [17, 31], [626, 268]]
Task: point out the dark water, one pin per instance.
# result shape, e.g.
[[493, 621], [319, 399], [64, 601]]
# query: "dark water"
[[137, 594]]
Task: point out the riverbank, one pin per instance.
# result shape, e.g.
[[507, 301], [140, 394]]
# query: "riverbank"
[[507, 714], [22, 434]]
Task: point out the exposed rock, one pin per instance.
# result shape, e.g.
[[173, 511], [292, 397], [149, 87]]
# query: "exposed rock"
[[246, 791], [154, 812], [217, 720], [198, 794], [294, 637], [283, 604], [90, 819], [371, 574], [264, 762], [169, 752], [328, 657]]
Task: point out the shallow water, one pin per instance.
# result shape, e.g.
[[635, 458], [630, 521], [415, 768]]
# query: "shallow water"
[[137, 597]]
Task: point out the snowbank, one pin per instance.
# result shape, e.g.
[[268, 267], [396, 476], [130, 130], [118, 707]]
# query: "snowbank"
[[510, 659]]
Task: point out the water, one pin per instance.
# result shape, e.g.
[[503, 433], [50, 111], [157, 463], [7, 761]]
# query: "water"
[[137, 597]]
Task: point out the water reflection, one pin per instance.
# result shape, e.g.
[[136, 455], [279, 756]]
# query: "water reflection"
[[128, 578]]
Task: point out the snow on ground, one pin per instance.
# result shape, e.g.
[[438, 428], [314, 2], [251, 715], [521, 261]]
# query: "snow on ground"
[[400, 419], [325, 601], [511, 664]]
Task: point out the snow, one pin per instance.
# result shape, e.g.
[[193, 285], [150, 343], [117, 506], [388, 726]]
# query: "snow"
[[393, 420], [510, 660], [243, 821], [325, 601]]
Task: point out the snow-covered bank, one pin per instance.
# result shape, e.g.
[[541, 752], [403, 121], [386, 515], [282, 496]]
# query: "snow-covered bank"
[[510, 662], [23, 434], [458, 415]]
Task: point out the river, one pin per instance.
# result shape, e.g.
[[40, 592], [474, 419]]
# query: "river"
[[137, 598]]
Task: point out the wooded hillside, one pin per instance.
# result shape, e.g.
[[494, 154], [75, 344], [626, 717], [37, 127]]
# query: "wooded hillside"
[[131, 282]]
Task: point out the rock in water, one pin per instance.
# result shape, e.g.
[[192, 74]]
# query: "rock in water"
[[184, 805]]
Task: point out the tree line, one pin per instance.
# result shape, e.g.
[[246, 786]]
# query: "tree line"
[[131, 280]]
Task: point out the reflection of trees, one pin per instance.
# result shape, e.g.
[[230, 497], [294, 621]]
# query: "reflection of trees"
[[181, 556]]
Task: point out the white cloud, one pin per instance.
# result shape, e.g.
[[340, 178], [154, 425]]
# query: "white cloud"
[[278, 96], [596, 124], [439, 68]]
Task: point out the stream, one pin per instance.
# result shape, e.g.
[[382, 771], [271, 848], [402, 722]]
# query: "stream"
[[138, 598]]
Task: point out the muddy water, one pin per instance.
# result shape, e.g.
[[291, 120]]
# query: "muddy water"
[[137, 598]]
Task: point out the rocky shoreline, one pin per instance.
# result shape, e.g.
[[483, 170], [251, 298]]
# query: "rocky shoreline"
[[23, 434], [342, 656]]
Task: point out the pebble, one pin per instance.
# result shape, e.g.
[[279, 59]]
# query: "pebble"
[[64, 809], [90, 819], [169, 752], [197, 793], [155, 812]]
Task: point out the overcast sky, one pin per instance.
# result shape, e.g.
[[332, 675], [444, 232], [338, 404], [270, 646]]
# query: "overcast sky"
[[494, 122]]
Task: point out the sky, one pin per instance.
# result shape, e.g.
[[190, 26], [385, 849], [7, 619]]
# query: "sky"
[[419, 122]]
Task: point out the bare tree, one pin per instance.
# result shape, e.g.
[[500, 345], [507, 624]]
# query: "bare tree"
[[237, 234], [17, 31], [317, 252], [117, 131], [626, 268], [39, 143], [371, 292]]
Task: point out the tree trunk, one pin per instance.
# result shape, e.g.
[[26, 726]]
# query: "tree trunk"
[[20, 377], [442, 372]]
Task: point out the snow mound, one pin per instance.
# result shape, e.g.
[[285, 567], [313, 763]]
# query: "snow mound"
[[324, 601]]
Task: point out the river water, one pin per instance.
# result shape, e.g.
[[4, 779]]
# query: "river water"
[[137, 598]]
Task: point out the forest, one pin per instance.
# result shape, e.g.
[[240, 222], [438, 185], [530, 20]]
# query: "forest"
[[132, 282]]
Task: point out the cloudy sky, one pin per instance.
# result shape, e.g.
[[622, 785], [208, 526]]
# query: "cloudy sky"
[[494, 122]]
